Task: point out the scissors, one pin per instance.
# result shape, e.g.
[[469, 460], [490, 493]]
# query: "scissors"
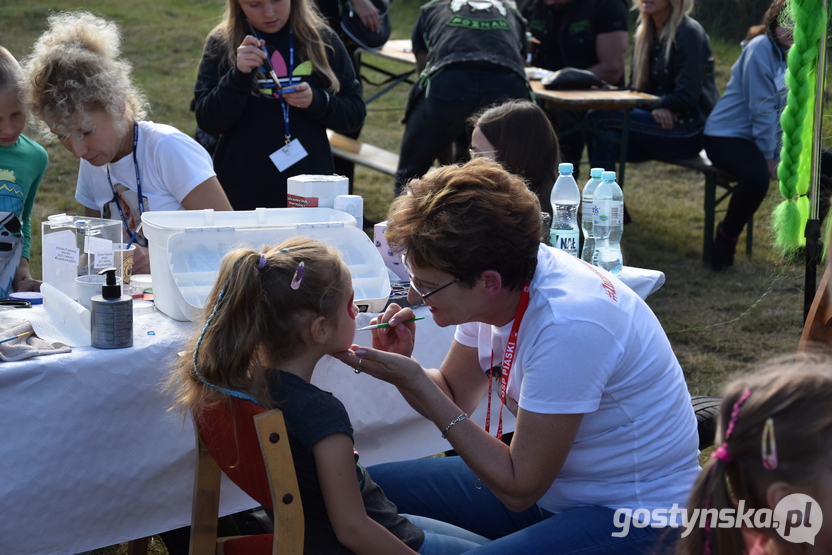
[[14, 303]]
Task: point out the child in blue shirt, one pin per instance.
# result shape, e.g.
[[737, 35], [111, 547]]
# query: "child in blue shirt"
[[22, 164]]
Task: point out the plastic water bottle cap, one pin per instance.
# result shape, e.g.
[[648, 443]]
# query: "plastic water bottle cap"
[[565, 167], [596, 172], [608, 176]]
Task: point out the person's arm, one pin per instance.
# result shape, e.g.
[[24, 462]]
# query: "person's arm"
[[460, 378], [419, 44], [764, 96], [343, 112], [421, 60], [23, 280], [29, 203], [610, 49], [368, 14], [208, 194], [219, 100], [335, 464], [519, 474]]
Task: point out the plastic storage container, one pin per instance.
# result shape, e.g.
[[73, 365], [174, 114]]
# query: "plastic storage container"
[[186, 248], [75, 246]]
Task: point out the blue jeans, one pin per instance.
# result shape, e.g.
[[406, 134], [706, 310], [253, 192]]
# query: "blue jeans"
[[445, 489], [646, 139], [444, 539]]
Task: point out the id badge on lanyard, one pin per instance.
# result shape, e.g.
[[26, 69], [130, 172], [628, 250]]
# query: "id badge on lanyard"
[[292, 151], [117, 201]]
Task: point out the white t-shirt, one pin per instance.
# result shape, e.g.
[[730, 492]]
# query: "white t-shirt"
[[589, 345], [171, 165]]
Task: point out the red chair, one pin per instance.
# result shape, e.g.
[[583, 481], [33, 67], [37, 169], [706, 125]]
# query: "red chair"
[[251, 446]]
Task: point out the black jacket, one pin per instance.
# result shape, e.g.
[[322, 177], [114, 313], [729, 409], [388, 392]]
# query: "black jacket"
[[685, 82], [250, 124]]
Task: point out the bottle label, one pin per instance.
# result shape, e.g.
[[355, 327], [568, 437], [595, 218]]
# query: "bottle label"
[[587, 211], [565, 240], [616, 213], [603, 212]]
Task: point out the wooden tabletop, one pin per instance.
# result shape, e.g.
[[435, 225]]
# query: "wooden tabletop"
[[598, 99], [396, 50]]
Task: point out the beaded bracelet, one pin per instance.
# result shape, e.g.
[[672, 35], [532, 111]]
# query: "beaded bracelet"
[[456, 420]]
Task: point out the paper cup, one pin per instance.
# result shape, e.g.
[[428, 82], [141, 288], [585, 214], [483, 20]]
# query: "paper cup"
[[88, 287], [124, 261]]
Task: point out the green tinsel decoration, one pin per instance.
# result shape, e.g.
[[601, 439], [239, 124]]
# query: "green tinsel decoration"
[[797, 121]]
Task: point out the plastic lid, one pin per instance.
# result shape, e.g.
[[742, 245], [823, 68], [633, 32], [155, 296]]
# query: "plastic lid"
[[111, 289], [34, 297], [596, 172], [565, 167], [608, 176], [143, 307]]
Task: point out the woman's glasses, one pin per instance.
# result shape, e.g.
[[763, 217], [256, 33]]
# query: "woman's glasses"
[[425, 296], [482, 153]]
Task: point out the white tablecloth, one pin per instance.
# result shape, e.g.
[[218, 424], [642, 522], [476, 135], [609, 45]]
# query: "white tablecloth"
[[90, 454]]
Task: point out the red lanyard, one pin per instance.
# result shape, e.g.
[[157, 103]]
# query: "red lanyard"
[[508, 362]]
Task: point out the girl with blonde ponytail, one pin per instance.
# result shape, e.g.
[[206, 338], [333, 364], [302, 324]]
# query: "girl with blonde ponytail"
[[270, 317]]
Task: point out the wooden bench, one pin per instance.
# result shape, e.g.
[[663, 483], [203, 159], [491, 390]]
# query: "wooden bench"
[[713, 178], [363, 153]]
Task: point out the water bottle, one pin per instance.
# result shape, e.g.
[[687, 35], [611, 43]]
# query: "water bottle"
[[608, 225], [588, 214], [566, 197]]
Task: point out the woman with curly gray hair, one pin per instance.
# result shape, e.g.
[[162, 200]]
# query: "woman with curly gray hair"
[[82, 91]]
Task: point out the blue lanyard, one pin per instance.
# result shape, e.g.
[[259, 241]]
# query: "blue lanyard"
[[283, 104], [133, 235]]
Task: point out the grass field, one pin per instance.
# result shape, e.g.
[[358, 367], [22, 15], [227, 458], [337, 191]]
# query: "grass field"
[[718, 323]]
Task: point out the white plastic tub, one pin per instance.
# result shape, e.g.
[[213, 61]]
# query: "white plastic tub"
[[186, 248]]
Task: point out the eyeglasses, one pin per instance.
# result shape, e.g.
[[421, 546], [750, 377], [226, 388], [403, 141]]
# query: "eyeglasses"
[[425, 296], [478, 153]]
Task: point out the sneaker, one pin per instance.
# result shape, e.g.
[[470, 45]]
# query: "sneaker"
[[723, 250]]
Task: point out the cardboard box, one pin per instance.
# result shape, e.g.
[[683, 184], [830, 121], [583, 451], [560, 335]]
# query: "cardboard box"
[[315, 191]]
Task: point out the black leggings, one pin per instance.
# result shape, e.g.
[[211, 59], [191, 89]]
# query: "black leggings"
[[742, 159]]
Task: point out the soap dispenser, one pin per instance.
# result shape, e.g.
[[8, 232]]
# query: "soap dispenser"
[[111, 315]]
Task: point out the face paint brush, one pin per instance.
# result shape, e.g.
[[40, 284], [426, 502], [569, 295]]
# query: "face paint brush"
[[268, 62], [386, 325]]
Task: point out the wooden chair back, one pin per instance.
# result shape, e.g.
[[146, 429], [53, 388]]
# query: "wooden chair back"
[[251, 445], [817, 330]]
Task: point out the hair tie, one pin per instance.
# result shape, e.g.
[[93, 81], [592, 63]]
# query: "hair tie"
[[722, 454], [262, 263], [722, 451]]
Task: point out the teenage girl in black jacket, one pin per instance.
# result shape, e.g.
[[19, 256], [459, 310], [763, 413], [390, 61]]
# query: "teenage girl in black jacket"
[[235, 98]]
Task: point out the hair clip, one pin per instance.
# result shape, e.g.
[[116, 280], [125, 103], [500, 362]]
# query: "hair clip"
[[769, 445], [262, 263], [298, 277]]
